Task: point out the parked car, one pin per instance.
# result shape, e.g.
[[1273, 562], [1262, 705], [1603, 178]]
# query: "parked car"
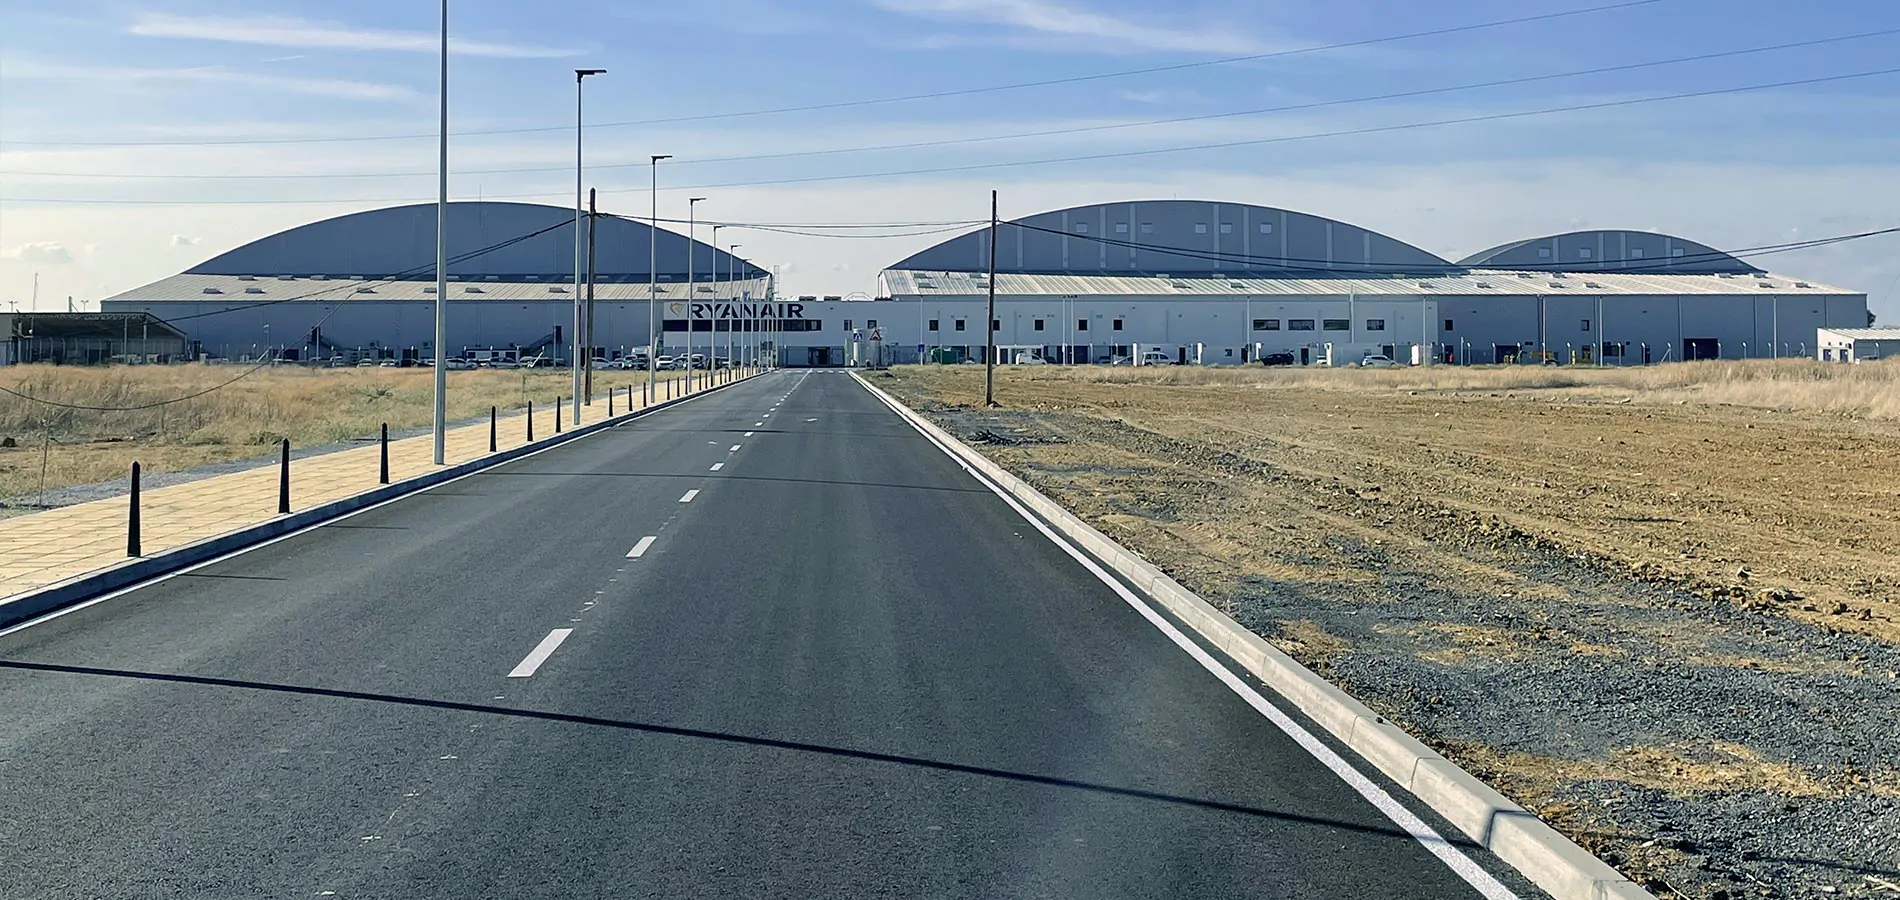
[[389, 364], [1278, 359], [1156, 358], [1376, 362], [366, 364], [1120, 361]]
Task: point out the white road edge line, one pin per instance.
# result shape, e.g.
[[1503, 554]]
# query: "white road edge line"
[[1454, 858], [688, 498], [161, 579], [540, 653], [717, 466], [640, 549]]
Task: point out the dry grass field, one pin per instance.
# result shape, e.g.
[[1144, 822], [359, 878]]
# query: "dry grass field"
[[238, 421], [1658, 606]]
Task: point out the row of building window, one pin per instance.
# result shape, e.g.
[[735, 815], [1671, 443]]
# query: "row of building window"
[[706, 325], [1584, 325], [997, 324], [1149, 228], [1307, 324]]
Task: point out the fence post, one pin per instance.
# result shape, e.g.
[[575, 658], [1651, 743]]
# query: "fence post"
[[132, 522], [530, 421], [385, 443], [283, 479], [492, 416]]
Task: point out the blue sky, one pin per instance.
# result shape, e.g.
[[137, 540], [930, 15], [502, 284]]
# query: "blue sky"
[[1734, 170]]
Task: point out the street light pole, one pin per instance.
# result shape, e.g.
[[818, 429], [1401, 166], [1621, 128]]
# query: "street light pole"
[[653, 271], [732, 279], [580, 75], [692, 283], [989, 319], [712, 332], [441, 256]]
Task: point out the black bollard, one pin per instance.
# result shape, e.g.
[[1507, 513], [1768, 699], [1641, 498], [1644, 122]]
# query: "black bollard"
[[384, 476], [492, 416], [557, 415], [530, 421], [132, 523], [283, 479]]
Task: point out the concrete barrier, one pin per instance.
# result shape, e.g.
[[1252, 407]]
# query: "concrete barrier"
[[79, 588], [1551, 861]]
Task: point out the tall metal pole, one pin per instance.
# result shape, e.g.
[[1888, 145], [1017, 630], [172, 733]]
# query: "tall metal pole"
[[989, 321], [692, 283], [580, 76], [593, 222], [712, 335], [653, 272], [442, 255], [732, 264]]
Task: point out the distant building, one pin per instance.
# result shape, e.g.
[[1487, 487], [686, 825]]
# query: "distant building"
[[1852, 345], [363, 285], [91, 338]]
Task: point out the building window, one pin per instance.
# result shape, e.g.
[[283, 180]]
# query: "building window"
[[1375, 324], [1266, 324], [1613, 350], [1200, 228], [1226, 228], [1543, 253], [1583, 252], [1266, 227], [1081, 228], [1299, 324], [847, 324], [1447, 324], [1586, 324], [1147, 228], [1038, 324], [933, 324], [960, 324], [1337, 324], [1636, 253], [870, 323], [1230, 351], [1081, 324], [1118, 324], [996, 324], [1121, 227]]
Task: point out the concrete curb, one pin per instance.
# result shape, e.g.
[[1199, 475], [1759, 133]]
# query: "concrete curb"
[[1550, 860], [61, 594]]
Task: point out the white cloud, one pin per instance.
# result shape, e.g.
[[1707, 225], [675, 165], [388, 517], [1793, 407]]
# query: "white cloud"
[[1078, 28], [324, 87], [41, 253], [277, 31], [179, 240]]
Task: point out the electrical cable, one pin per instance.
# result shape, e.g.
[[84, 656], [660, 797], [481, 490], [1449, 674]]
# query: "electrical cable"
[[1055, 132], [1093, 157], [844, 104]]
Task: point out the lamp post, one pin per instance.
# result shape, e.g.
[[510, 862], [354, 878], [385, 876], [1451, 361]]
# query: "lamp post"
[[712, 332], [441, 254], [733, 270], [692, 237], [653, 270], [580, 75]]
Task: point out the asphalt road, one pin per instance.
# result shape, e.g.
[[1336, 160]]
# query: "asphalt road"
[[842, 668]]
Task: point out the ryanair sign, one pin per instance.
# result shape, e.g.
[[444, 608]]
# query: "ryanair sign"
[[733, 310]]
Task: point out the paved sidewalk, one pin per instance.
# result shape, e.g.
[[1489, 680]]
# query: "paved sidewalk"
[[49, 547]]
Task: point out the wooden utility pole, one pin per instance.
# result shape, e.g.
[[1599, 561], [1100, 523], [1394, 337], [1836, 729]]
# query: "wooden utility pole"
[[593, 216], [989, 321]]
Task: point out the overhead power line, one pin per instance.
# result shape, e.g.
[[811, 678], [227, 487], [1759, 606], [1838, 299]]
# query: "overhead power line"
[[906, 98], [1092, 157], [964, 141]]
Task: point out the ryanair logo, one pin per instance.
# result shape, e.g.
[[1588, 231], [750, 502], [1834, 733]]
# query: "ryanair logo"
[[676, 309]]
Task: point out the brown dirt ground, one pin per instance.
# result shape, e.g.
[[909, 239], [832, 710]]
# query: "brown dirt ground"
[[1765, 514]]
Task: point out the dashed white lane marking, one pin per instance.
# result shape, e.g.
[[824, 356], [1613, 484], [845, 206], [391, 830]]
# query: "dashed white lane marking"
[[750, 433], [717, 466], [640, 549], [690, 495], [735, 449], [540, 653], [766, 416], [758, 424]]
